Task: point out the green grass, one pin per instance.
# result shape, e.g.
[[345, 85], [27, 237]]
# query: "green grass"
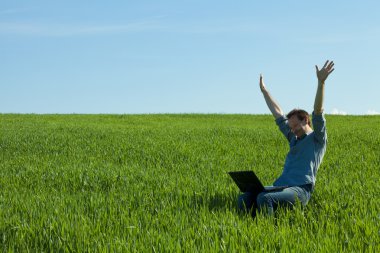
[[159, 183]]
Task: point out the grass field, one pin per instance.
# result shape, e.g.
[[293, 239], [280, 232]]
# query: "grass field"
[[158, 183]]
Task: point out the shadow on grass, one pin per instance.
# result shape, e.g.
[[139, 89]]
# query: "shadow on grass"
[[215, 202], [220, 202]]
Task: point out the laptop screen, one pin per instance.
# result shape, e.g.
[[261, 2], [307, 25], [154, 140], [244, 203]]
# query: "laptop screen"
[[247, 181]]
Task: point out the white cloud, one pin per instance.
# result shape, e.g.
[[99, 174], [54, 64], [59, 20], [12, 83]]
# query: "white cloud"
[[372, 112], [336, 111]]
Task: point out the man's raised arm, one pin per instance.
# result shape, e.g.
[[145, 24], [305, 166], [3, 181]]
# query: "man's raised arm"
[[322, 76], [272, 105]]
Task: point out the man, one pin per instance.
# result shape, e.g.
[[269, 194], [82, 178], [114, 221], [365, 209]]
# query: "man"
[[307, 148]]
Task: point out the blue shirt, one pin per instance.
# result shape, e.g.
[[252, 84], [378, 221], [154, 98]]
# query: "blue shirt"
[[305, 154]]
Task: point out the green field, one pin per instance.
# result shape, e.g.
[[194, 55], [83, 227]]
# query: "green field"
[[158, 183]]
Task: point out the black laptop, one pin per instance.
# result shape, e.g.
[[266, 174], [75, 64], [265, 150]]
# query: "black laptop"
[[247, 181]]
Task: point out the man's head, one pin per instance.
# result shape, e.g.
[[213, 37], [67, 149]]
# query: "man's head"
[[299, 122]]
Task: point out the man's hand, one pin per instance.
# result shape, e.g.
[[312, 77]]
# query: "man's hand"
[[272, 105], [262, 85], [322, 76], [325, 71]]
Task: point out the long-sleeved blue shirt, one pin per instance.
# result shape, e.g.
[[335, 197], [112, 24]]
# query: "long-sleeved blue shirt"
[[305, 155]]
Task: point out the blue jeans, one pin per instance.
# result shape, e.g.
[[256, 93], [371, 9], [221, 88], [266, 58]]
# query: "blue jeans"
[[267, 202]]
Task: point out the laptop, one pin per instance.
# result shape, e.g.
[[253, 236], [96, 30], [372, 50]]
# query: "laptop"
[[247, 181]]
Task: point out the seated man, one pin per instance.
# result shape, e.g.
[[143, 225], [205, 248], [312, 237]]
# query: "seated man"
[[307, 148]]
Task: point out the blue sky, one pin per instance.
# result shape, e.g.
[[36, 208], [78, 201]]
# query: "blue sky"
[[186, 56]]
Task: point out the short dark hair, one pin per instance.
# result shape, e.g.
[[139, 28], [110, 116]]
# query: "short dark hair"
[[301, 115]]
